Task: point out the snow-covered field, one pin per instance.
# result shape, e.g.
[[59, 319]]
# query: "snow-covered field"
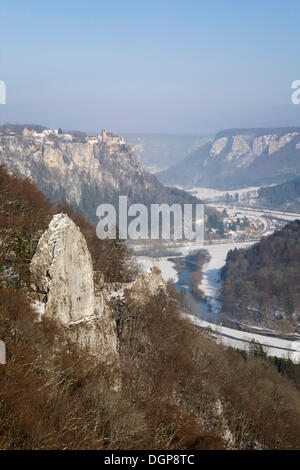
[[210, 285], [240, 339], [208, 194], [211, 272], [288, 216], [167, 267]]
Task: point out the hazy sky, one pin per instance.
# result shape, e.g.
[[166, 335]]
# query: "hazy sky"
[[167, 66]]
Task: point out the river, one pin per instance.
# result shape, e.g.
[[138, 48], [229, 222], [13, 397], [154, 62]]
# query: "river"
[[206, 314], [208, 310]]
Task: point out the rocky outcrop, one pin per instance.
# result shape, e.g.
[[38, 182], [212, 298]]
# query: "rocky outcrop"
[[63, 281], [62, 272], [240, 157], [63, 166], [66, 288], [148, 285], [83, 172]]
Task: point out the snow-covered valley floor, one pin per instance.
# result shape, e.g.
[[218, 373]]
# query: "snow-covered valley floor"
[[210, 284]]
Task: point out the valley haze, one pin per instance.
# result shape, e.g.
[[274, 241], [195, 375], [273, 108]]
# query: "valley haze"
[[150, 228]]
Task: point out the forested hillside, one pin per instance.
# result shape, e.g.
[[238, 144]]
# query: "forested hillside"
[[262, 283], [284, 196], [179, 389]]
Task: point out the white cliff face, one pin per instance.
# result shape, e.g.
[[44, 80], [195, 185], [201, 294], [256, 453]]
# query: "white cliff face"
[[245, 148], [62, 277], [240, 158], [218, 146], [261, 144], [148, 285], [138, 292], [62, 271], [67, 289], [65, 168], [83, 172]]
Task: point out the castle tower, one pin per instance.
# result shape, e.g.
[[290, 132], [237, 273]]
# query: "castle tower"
[[104, 135]]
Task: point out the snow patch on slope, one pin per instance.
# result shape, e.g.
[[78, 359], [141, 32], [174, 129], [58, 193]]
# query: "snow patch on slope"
[[165, 265]]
